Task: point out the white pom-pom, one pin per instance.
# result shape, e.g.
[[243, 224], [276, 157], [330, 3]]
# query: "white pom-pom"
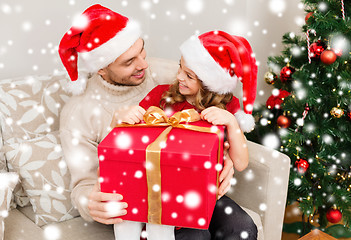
[[246, 121], [77, 87]]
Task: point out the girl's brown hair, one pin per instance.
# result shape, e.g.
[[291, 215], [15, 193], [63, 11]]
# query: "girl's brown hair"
[[204, 97]]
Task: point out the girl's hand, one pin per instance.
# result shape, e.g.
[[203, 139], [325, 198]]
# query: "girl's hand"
[[217, 116], [130, 115]]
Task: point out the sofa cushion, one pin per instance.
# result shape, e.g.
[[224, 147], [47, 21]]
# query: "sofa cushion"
[[3, 166], [18, 226], [7, 183], [44, 175], [29, 107]]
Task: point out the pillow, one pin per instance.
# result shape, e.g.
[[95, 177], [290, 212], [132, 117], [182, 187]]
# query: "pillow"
[[3, 167], [44, 176], [29, 107], [7, 183]]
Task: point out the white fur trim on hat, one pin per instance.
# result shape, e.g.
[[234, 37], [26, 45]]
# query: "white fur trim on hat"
[[77, 87], [107, 53], [198, 59], [246, 121]]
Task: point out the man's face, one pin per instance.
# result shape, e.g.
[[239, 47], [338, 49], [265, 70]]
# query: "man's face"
[[129, 68]]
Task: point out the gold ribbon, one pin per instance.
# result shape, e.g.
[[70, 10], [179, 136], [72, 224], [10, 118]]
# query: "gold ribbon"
[[155, 116]]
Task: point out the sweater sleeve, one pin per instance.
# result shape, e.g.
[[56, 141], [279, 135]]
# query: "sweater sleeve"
[[153, 97], [79, 139]]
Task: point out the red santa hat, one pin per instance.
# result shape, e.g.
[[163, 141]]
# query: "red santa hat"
[[98, 36], [220, 60]]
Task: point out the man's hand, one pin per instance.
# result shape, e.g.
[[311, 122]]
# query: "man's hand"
[[106, 208], [226, 174], [130, 115]]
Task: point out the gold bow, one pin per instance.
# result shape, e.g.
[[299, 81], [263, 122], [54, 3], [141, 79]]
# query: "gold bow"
[[155, 116]]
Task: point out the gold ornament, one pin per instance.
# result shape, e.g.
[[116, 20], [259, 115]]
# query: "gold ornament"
[[337, 112], [270, 77]]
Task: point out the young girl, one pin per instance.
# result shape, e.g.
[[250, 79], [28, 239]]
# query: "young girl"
[[210, 66]]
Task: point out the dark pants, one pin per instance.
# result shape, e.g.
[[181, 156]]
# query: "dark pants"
[[236, 224]]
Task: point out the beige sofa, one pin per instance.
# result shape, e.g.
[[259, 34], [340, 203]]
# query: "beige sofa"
[[39, 206]]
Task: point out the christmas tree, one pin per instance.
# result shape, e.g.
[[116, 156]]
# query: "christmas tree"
[[308, 116]]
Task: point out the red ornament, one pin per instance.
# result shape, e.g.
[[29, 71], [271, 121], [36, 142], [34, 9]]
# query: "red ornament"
[[308, 15], [283, 121], [334, 215], [302, 165], [348, 114], [275, 101], [286, 72], [316, 49], [328, 57]]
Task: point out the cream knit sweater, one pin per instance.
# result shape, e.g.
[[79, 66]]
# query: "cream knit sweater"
[[85, 121]]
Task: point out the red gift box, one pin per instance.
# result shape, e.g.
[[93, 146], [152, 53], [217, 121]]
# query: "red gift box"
[[190, 162]]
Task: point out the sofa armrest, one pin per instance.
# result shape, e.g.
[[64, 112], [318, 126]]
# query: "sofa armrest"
[[263, 186]]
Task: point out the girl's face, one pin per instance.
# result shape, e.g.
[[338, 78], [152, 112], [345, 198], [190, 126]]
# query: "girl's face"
[[189, 84]]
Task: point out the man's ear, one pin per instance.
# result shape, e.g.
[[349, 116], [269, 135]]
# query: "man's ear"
[[102, 72]]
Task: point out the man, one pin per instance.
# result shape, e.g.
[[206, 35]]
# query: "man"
[[109, 45]]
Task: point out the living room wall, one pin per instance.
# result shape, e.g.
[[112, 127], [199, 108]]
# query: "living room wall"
[[31, 30]]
